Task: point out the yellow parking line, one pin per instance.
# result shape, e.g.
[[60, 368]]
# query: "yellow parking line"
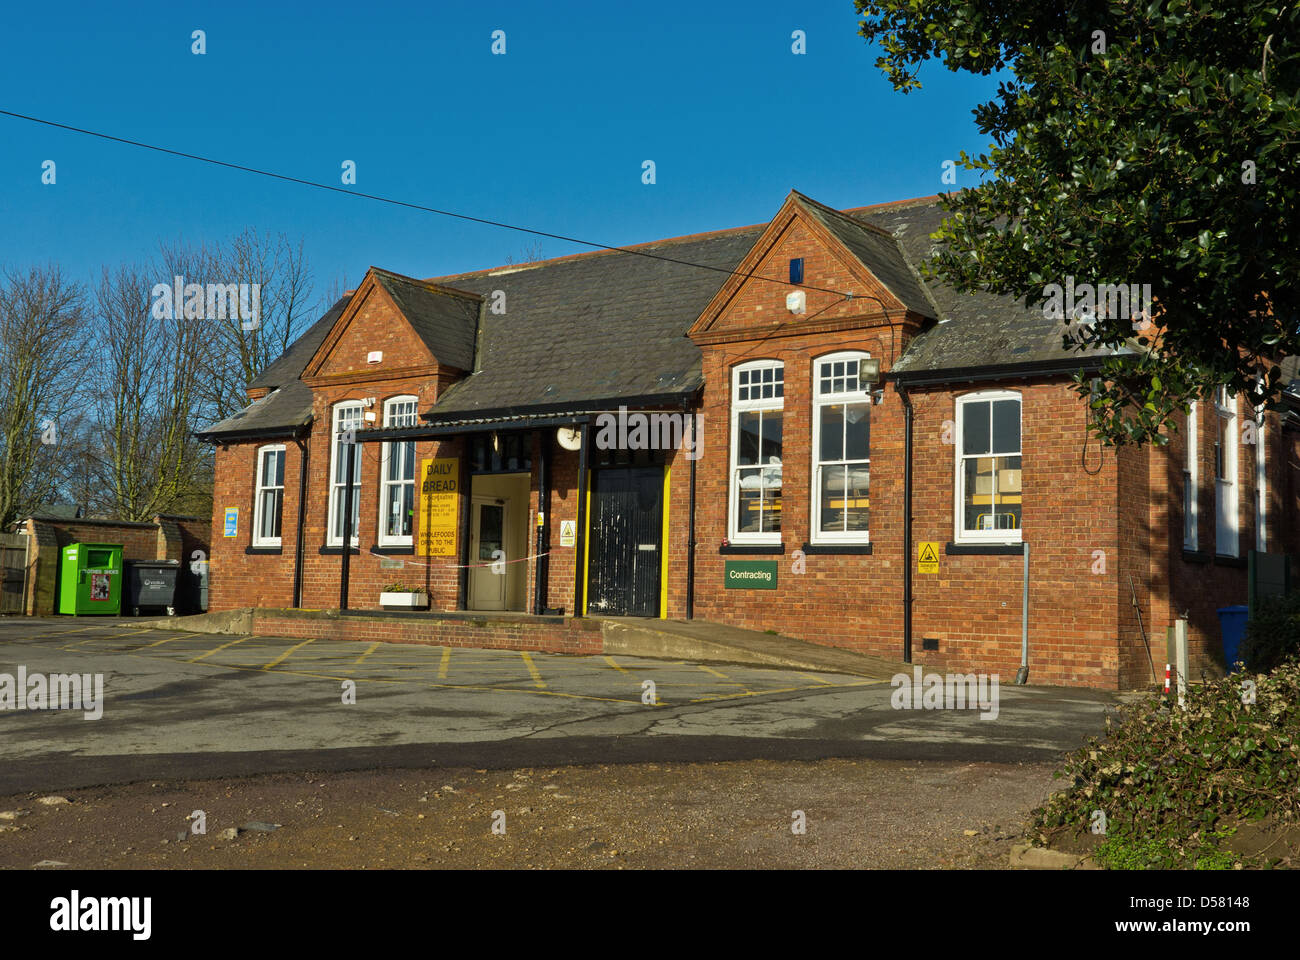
[[610, 661], [204, 656], [287, 654], [373, 647], [532, 668], [165, 640], [716, 673], [817, 679], [446, 662]]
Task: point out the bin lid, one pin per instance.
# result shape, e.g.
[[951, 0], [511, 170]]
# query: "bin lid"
[[153, 563], [1234, 609]]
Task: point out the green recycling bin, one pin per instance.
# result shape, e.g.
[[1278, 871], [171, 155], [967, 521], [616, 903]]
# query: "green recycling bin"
[[90, 579]]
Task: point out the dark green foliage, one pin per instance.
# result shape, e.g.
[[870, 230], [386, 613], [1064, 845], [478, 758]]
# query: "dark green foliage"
[[1172, 782], [1272, 632], [1132, 143]]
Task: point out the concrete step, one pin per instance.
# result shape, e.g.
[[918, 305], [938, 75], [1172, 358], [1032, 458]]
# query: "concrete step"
[[718, 643]]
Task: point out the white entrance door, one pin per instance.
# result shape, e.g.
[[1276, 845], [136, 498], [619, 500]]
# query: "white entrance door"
[[487, 573]]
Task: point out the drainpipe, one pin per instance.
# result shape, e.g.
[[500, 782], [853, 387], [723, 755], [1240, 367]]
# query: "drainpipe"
[[347, 525], [908, 416], [690, 529], [302, 517], [541, 567], [580, 540], [1022, 675]]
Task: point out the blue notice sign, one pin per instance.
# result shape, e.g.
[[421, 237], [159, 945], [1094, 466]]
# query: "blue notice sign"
[[232, 521]]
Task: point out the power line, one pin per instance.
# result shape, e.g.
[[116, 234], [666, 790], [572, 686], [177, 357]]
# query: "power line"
[[416, 206]]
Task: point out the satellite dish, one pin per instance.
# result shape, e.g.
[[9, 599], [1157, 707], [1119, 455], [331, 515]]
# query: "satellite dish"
[[570, 438]]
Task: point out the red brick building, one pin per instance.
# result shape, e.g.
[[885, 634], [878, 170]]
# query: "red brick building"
[[731, 427]]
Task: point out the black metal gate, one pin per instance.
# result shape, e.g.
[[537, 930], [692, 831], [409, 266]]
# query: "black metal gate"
[[626, 549], [13, 568]]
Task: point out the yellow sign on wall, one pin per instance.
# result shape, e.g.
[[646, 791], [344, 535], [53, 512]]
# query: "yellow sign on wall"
[[927, 557], [439, 496]]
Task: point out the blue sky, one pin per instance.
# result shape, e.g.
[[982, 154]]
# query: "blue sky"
[[551, 135]]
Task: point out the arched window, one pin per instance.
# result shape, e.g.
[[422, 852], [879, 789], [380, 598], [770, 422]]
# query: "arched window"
[[268, 496], [841, 449], [397, 476], [347, 416], [757, 405]]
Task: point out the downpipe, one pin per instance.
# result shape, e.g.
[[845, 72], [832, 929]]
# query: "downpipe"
[[1022, 675]]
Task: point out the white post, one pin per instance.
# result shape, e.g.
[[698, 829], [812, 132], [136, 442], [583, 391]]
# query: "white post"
[[1180, 658]]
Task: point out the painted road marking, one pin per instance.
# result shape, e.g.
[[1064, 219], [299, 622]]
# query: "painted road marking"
[[446, 662], [532, 668], [721, 676], [287, 654], [610, 661], [204, 656], [373, 647]]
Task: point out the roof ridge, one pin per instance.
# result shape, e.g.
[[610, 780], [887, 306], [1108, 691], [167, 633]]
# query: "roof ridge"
[[431, 286]]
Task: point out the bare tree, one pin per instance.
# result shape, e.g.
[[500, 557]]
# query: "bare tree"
[[236, 350], [148, 378], [42, 356]]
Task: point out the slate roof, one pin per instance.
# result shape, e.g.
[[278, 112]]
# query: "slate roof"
[[446, 320], [287, 408], [972, 329], [878, 250], [599, 327], [602, 328]]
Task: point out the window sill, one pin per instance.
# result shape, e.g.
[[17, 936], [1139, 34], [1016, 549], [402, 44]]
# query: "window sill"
[[338, 551], [270, 551], [1222, 560], [1195, 556], [812, 549], [768, 548], [395, 550], [984, 549]]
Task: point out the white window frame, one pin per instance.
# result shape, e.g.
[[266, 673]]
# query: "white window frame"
[[863, 395], [1192, 485], [738, 406], [961, 535], [1261, 483], [338, 454], [258, 489], [1227, 532], [391, 420]]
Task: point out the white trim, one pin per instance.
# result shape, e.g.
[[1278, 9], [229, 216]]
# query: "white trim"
[[258, 489], [860, 396], [1227, 527], [1191, 478], [960, 534], [335, 536], [772, 404], [1261, 483], [385, 452]]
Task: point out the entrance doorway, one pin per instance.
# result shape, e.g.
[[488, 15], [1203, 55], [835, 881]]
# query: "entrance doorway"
[[498, 535], [625, 559]]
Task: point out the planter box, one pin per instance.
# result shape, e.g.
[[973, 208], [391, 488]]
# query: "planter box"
[[404, 601]]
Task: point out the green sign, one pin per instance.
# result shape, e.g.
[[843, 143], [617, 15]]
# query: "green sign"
[[750, 574]]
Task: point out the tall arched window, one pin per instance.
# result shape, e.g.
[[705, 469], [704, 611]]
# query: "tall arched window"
[[841, 449], [397, 476], [757, 407], [347, 416]]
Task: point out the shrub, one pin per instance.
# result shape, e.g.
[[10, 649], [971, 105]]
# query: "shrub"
[[402, 588], [1272, 632], [1167, 779]]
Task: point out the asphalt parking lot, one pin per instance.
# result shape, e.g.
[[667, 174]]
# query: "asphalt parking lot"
[[180, 704]]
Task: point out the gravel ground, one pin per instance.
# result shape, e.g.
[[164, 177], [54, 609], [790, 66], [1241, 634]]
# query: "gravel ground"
[[859, 814]]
